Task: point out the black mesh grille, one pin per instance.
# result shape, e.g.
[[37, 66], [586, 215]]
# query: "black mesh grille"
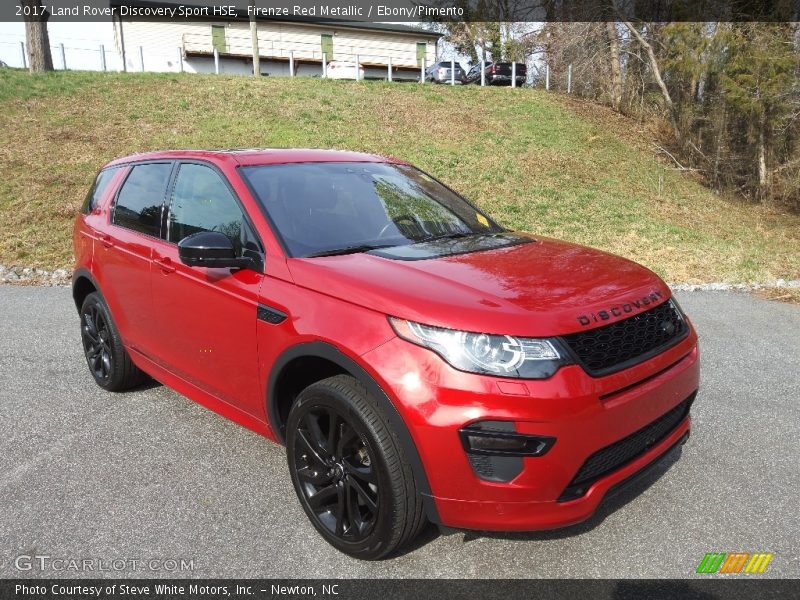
[[482, 465], [616, 346], [625, 450]]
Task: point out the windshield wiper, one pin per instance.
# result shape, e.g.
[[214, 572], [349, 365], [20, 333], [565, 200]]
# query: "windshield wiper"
[[448, 236], [350, 250], [357, 248]]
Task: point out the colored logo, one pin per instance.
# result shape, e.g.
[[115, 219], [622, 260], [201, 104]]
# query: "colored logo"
[[734, 562]]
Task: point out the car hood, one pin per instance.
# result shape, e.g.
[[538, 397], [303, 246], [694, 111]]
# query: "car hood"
[[542, 287]]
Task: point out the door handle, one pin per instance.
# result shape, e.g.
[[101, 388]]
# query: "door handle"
[[106, 240], [166, 265]]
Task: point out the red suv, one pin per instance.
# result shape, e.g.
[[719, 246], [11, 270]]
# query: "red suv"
[[418, 360]]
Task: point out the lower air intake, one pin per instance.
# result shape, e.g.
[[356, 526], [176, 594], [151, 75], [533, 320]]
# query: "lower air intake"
[[620, 453]]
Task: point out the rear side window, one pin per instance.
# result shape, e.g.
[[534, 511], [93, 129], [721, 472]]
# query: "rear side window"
[[139, 201], [98, 189]]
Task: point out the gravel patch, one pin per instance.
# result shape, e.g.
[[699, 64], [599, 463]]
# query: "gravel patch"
[[33, 276]]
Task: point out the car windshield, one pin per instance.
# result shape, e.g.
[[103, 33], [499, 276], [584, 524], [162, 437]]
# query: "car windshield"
[[336, 208]]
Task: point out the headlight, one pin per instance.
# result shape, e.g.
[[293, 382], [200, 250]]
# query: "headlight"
[[502, 355]]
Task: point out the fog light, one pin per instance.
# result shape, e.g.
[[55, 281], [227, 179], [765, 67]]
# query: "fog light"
[[478, 442], [503, 443]]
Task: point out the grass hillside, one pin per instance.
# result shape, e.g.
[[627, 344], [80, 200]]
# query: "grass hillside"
[[536, 161]]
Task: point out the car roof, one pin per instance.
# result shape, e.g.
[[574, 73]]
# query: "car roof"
[[257, 156]]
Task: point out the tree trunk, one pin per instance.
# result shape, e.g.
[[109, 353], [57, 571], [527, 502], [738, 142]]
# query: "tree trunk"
[[38, 41], [254, 42], [651, 55], [721, 124], [616, 76], [763, 179]]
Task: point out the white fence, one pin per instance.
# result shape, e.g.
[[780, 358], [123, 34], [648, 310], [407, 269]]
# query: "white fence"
[[197, 55], [100, 58]]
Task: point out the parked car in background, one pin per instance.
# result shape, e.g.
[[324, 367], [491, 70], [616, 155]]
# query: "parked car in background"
[[340, 69], [497, 73], [442, 72]]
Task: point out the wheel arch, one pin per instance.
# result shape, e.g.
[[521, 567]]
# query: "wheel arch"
[[341, 363], [83, 284]]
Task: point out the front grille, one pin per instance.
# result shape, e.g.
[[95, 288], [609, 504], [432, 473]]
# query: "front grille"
[[622, 452], [613, 347]]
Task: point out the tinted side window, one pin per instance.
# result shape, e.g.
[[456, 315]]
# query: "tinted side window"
[[139, 201], [98, 188], [203, 202]]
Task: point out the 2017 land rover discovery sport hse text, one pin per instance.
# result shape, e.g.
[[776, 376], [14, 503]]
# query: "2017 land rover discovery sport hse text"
[[418, 360]]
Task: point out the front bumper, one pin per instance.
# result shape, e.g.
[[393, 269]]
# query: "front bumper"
[[584, 414]]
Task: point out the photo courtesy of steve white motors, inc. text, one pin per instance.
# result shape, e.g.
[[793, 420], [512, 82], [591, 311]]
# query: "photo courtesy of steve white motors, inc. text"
[[170, 589]]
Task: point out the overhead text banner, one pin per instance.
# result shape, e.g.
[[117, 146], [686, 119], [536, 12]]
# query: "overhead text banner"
[[410, 11]]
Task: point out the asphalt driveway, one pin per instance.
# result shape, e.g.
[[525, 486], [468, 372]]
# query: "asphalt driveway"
[[150, 475]]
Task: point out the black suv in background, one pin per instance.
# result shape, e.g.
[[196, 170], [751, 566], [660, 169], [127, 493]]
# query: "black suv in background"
[[497, 73], [440, 72]]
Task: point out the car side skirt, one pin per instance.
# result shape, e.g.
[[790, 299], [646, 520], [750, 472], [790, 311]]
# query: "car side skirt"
[[200, 396]]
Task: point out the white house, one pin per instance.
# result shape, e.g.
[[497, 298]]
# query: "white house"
[[152, 44]]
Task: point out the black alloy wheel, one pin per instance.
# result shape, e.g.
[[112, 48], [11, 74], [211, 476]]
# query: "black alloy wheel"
[[349, 471], [336, 474], [109, 362], [96, 343]]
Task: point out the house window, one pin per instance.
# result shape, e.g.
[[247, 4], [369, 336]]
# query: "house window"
[[327, 45], [422, 51], [218, 38]]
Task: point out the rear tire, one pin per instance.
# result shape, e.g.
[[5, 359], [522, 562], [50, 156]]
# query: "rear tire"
[[349, 471], [106, 357]]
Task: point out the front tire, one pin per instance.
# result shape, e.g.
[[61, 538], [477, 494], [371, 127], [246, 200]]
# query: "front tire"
[[107, 358], [349, 472]]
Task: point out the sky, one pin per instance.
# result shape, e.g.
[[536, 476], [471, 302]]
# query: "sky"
[[81, 40]]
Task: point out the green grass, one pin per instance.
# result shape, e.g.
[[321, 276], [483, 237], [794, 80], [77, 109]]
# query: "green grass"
[[536, 161]]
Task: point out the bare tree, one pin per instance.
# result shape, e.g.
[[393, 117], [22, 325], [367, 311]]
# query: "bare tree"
[[615, 91], [39, 57], [254, 40], [585, 47], [729, 90], [654, 67]]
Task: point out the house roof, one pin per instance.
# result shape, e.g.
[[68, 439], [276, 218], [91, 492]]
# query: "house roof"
[[241, 14]]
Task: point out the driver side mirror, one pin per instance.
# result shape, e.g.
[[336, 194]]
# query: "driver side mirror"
[[210, 249]]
